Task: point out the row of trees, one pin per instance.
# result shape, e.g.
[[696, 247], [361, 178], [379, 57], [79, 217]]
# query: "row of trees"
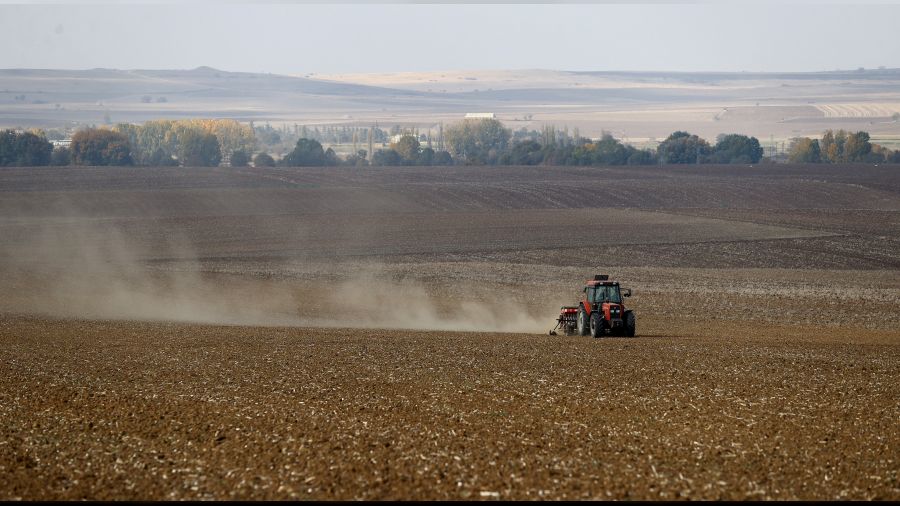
[[471, 142], [282, 139], [271, 136], [840, 147], [101, 146], [24, 149], [487, 141], [406, 151], [197, 142]]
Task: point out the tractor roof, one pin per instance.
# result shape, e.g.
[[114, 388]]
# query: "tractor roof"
[[600, 283], [600, 280]]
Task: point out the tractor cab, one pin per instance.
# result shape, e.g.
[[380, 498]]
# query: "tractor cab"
[[601, 293], [601, 290], [602, 309]]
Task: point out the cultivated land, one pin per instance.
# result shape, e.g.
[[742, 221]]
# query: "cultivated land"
[[638, 107], [346, 333]]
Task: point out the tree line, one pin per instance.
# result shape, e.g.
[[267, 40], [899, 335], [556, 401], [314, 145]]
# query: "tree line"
[[840, 147], [488, 142], [196, 143], [469, 142]]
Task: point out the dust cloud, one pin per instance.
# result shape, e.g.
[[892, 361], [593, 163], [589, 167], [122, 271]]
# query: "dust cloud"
[[84, 269], [372, 301], [96, 269]]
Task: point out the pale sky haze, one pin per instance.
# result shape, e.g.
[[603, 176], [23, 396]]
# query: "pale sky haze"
[[298, 38]]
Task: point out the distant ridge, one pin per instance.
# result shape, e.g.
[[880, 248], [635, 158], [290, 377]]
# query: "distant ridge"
[[209, 76], [827, 74], [641, 107]]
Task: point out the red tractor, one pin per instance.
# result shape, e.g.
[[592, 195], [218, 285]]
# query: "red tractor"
[[600, 312]]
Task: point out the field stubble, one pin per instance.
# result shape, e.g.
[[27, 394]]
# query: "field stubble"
[[248, 412], [765, 367]]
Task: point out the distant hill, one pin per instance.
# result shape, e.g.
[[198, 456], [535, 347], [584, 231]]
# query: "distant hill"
[[110, 84], [638, 106]]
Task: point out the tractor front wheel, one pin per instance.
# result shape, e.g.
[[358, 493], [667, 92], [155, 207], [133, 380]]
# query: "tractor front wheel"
[[582, 322], [596, 325]]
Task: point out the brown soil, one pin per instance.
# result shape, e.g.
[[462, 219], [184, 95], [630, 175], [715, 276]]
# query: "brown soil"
[[210, 333]]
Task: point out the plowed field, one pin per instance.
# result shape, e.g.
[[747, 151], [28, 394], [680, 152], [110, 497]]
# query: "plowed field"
[[342, 334]]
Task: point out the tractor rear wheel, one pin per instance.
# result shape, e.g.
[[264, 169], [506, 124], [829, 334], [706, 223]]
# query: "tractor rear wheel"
[[629, 324], [582, 323], [596, 325]]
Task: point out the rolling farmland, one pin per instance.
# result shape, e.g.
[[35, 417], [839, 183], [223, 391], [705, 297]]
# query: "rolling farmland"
[[342, 333]]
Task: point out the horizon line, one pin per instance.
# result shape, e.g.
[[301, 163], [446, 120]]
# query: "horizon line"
[[498, 69]]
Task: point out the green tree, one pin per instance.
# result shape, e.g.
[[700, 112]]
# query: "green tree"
[[832, 146], [804, 150], [857, 147], [132, 133], [408, 148], [153, 136], [841, 146], [263, 160], [736, 148], [478, 141], [198, 149], [882, 154], [358, 159], [828, 148], [426, 157], [606, 151], [387, 158], [640, 157], [442, 158], [61, 156], [34, 150], [307, 153], [24, 149], [160, 158], [526, 152], [7, 148], [609, 151], [100, 146], [239, 158], [331, 157], [682, 147]]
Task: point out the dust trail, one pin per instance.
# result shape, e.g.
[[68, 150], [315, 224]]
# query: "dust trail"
[[374, 302], [90, 268]]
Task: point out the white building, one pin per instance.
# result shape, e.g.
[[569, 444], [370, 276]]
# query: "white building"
[[480, 115]]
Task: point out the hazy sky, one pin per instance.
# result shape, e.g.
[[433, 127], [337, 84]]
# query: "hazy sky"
[[297, 37]]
